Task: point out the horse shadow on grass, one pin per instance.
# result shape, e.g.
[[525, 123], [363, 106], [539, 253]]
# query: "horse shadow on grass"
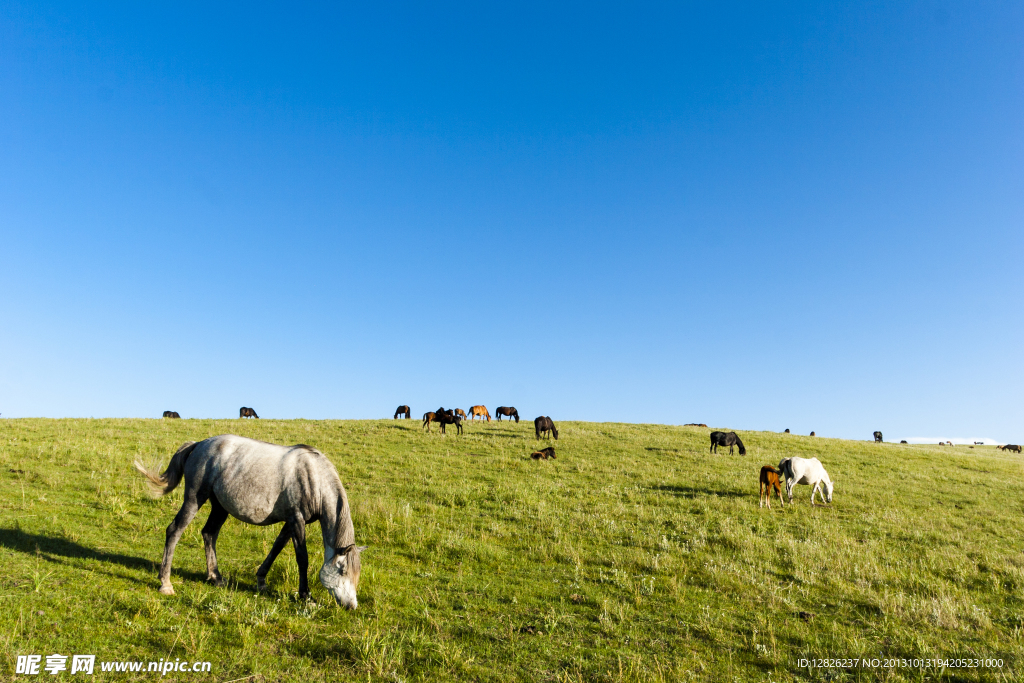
[[56, 550], [694, 492]]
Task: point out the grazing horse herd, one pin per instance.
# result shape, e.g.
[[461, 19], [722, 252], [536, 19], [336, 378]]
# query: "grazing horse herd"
[[542, 425], [261, 483]]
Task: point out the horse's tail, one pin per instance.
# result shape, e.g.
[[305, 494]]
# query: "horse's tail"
[[163, 484], [786, 468], [771, 469]]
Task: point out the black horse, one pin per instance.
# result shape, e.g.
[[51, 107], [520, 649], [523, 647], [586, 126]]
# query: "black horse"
[[508, 412], [448, 417], [171, 414], [544, 424], [247, 412], [878, 437], [403, 410], [726, 439]]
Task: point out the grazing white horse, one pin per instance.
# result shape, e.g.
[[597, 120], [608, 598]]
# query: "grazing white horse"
[[262, 483], [806, 471]]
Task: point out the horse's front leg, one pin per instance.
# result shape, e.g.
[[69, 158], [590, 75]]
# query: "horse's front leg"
[[814, 490], [218, 515], [175, 529], [299, 541], [261, 573]]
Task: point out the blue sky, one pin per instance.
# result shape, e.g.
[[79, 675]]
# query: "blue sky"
[[752, 217]]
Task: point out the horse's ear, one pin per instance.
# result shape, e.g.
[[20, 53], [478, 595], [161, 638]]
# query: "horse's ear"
[[362, 548]]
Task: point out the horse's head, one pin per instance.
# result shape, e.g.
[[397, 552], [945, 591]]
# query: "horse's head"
[[828, 490], [340, 575]]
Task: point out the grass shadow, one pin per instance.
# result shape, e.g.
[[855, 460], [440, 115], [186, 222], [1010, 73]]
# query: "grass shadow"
[[48, 546], [692, 492]]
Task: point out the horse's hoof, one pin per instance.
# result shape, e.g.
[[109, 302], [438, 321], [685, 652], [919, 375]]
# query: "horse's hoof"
[[216, 581], [166, 590]]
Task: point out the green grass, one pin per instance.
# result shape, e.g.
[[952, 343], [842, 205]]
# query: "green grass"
[[634, 556]]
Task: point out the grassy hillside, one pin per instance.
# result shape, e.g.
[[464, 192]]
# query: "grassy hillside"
[[633, 556]]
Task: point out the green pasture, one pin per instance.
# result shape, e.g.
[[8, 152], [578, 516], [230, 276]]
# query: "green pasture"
[[635, 556]]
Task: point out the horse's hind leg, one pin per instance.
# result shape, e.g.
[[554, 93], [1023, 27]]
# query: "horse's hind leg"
[[218, 515], [279, 542], [175, 529]]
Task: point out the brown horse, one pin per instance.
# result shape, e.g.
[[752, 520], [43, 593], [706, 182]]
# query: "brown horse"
[[770, 481], [461, 413], [172, 415], [403, 410], [546, 453], [428, 418], [508, 412], [696, 424], [543, 425], [480, 411], [247, 412], [1012, 447]]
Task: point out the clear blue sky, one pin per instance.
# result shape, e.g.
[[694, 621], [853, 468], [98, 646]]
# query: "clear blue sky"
[[753, 216]]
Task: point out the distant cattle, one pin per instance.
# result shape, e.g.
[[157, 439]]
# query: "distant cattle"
[[696, 424], [546, 453], [1011, 447], [786, 432], [480, 411], [404, 411], [508, 412], [171, 414], [544, 425], [878, 437], [769, 482], [247, 412], [812, 433], [904, 441], [726, 439]]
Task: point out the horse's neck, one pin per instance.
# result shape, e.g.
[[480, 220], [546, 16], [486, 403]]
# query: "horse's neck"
[[336, 520]]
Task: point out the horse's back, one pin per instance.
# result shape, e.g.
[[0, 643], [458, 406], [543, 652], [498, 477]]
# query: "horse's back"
[[259, 482], [806, 470]]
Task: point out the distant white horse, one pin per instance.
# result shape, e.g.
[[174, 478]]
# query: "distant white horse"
[[804, 471]]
